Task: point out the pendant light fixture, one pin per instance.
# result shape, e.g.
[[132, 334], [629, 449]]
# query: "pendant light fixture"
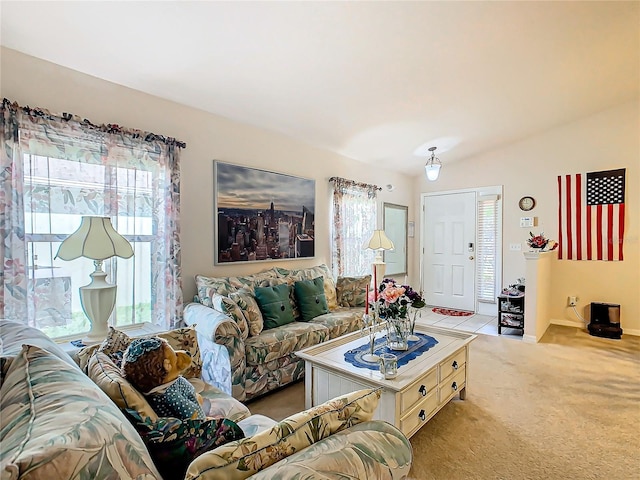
[[432, 167]]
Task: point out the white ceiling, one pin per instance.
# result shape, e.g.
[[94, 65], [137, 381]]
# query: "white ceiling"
[[371, 80]]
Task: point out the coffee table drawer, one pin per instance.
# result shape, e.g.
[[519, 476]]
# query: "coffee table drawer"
[[452, 385], [417, 391], [419, 414], [453, 364]]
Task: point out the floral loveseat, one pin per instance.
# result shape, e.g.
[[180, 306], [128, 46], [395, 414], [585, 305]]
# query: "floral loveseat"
[[262, 359], [57, 423]]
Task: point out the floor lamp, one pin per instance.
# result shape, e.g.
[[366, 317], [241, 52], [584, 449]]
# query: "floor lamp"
[[379, 242], [98, 240]]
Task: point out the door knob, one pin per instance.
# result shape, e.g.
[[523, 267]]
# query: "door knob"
[[470, 257]]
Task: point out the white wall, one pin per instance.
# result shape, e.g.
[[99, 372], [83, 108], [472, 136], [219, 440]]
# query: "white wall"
[[529, 167], [603, 141], [36, 83]]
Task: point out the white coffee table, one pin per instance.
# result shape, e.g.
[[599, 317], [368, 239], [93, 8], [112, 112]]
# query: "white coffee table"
[[421, 388]]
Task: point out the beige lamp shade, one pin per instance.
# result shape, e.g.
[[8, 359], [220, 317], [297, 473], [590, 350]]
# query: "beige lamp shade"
[[95, 239], [379, 241]]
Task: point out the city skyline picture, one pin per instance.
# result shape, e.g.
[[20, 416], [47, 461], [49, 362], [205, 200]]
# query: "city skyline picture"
[[262, 215]]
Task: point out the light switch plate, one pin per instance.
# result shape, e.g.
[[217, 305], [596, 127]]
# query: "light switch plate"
[[516, 247]]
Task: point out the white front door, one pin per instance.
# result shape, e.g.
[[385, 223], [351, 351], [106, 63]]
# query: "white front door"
[[449, 235]]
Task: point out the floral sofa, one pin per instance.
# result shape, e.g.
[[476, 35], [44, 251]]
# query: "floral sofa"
[[58, 423], [262, 359]]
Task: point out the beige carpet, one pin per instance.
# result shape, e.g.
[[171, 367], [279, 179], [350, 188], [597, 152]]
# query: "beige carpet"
[[565, 408]]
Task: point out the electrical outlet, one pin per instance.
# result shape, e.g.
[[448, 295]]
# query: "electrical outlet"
[[572, 301]]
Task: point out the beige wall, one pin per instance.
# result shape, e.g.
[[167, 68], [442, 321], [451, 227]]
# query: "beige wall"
[[606, 140], [32, 82], [602, 141]]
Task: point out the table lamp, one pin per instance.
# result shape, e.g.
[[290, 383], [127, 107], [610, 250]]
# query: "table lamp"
[[98, 240], [379, 242]]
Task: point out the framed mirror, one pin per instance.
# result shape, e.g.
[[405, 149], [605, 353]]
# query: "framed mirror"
[[394, 223]]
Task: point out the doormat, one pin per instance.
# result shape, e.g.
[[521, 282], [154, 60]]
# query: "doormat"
[[451, 312]]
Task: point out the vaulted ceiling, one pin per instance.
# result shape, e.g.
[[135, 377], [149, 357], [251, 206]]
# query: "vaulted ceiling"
[[375, 81]]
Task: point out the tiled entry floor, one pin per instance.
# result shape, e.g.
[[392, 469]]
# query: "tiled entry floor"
[[476, 323]]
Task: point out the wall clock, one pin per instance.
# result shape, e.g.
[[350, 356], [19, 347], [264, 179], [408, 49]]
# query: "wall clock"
[[527, 203]]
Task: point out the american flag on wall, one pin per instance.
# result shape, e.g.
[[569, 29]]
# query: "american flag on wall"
[[591, 215]]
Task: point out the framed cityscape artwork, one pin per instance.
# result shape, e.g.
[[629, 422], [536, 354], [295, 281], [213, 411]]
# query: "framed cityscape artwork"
[[262, 215]]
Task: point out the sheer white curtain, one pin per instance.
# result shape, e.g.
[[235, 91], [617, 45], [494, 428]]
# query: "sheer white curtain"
[[354, 213], [55, 169]]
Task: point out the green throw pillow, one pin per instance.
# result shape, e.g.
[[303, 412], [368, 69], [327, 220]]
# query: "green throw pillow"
[[274, 305], [311, 298]]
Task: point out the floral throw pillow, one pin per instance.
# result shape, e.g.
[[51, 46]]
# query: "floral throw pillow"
[[246, 300], [351, 291], [229, 307], [174, 443]]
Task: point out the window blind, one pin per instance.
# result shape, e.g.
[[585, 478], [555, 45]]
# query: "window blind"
[[486, 248]]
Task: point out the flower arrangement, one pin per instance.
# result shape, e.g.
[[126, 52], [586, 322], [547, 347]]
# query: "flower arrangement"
[[540, 242], [394, 300], [398, 305]]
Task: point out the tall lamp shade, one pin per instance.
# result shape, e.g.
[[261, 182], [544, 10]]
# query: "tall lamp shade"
[[98, 240], [379, 242]]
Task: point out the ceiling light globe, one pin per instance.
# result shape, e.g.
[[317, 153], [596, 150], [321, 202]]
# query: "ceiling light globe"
[[433, 171]]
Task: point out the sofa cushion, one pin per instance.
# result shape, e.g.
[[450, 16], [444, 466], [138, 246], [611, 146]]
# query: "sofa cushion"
[[246, 300], [274, 305], [107, 375], [310, 298], [352, 291], [218, 404], [56, 423], [208, 286], [341, 321], [240, 459], [282, 341], [375, 450]]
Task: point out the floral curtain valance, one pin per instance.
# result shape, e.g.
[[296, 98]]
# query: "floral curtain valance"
[[41, 115], [343, 185]]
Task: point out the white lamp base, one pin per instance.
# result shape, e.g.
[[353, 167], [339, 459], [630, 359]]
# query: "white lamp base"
[[98, 299], [379, 267]]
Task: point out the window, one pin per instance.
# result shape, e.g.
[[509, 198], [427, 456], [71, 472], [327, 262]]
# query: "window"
[[62, 170], [354, 220], [486, 249]]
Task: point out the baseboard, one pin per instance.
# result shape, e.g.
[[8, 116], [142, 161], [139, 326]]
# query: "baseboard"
[[529, 339], [568, 323], [575, 323]]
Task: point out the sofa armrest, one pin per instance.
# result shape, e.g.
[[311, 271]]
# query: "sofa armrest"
[[242, 458], [216, 330], [373, 449]]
